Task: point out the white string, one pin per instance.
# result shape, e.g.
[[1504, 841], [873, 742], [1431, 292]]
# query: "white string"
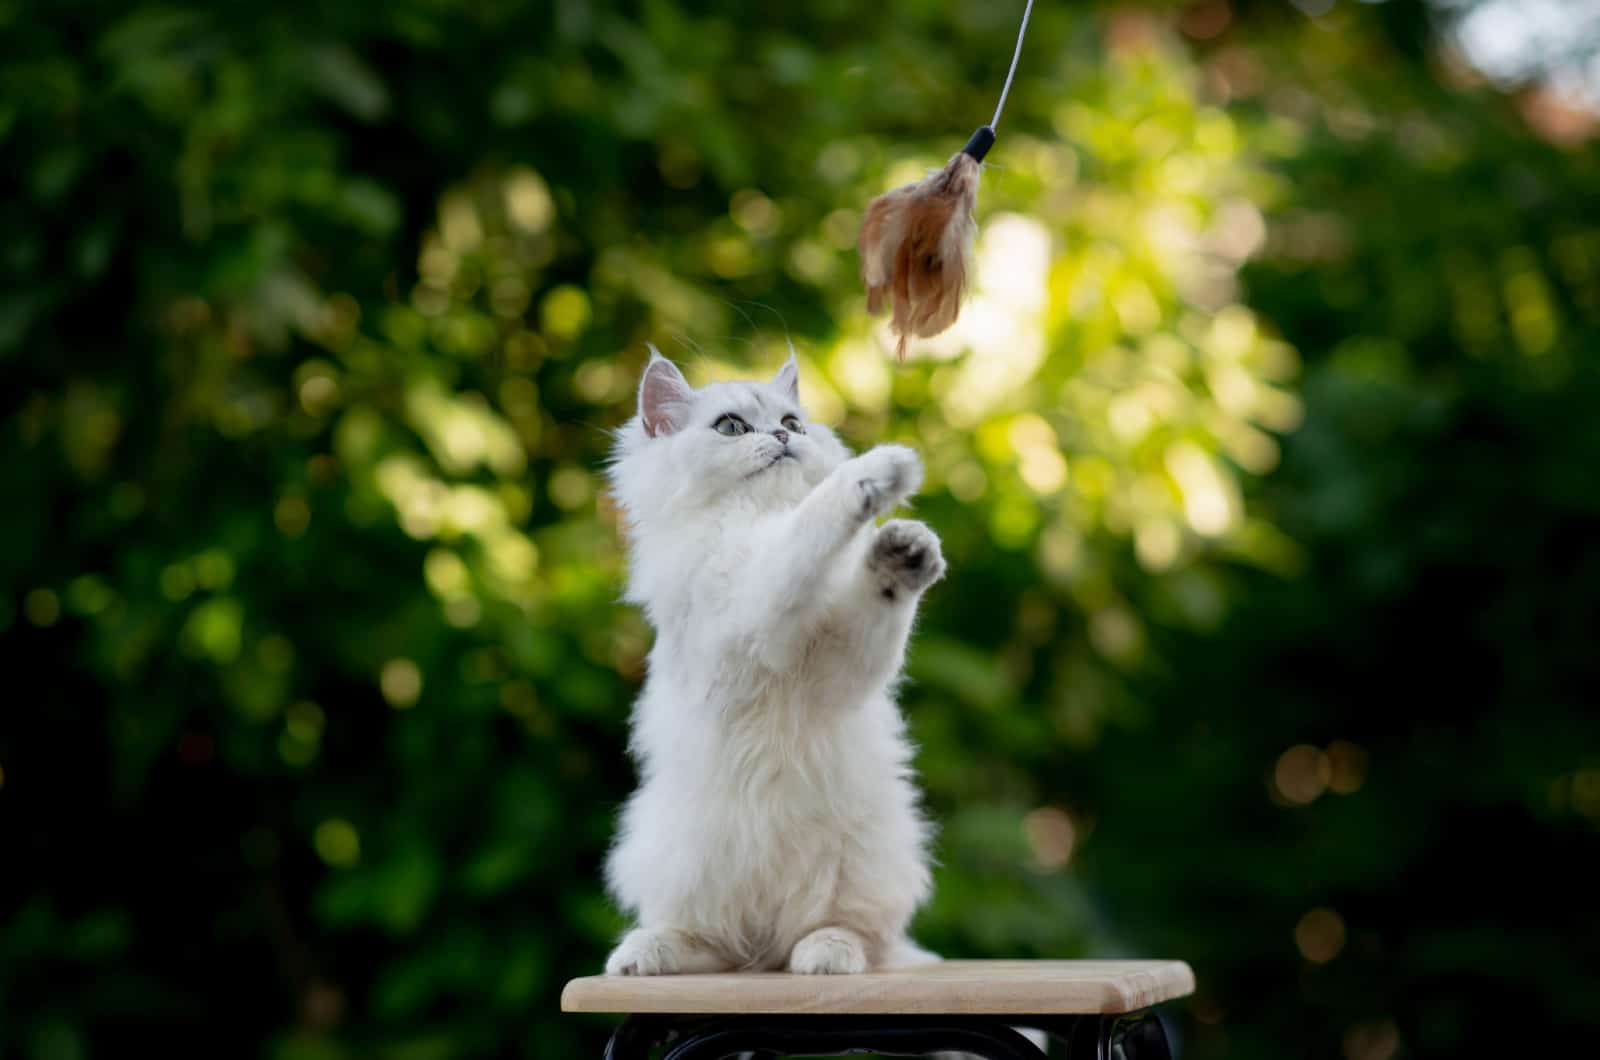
[[1013, 71]]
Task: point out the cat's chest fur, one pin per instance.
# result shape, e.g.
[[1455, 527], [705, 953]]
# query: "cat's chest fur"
[[781, 794], [712, 637]]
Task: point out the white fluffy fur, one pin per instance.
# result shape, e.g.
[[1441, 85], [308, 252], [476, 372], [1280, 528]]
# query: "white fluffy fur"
[[776, 824]]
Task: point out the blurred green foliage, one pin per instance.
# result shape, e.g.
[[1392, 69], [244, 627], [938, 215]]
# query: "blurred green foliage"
[[1263, 455]]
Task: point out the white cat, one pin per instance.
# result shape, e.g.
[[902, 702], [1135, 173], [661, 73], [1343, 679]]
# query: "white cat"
[[776, 824]]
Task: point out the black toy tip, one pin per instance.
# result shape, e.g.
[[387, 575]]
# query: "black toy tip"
[[980, 143]]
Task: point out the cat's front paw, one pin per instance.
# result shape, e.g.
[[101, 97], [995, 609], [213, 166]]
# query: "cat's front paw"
[[885, 476], [829, 951], [906, 558], [645, 952]]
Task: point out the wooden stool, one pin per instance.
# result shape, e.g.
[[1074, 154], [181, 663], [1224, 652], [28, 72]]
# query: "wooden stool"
[[1099, 1010]]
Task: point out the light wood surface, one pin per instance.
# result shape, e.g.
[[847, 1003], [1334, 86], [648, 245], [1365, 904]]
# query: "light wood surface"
[[1009, 988]]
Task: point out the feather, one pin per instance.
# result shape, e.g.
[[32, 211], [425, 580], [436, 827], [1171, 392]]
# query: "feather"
[[916, 248]]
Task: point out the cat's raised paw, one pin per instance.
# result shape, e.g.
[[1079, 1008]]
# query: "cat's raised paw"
[[887, 475], [906, 557], [829, 951]]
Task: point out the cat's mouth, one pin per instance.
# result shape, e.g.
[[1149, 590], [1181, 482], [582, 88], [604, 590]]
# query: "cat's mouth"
[[785, 455]]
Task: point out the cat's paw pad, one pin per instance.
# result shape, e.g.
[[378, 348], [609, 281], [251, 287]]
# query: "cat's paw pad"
[[644, 952], [829, 951], [888, 475], [906, 558]]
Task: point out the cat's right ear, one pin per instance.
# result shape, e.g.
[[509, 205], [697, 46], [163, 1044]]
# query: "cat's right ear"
[[788, 377], [665, 397]]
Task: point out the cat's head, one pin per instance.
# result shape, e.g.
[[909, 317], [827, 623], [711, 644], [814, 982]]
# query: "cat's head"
[[749, 443]]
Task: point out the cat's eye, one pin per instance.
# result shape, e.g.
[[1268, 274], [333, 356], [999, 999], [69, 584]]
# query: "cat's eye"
[[730, 425], [792, 424]]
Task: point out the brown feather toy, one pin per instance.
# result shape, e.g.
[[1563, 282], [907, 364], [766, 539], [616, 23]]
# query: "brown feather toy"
[[917, 241]]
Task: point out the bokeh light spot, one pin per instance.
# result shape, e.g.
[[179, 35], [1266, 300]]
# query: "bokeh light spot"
[[304, 722], [401, 683], [570, 488], [528, 203], [1320, 935], [1051, 836], [1302, 774], [42, 607], [565, 312], [337, 843], [88, 594], [177, 581], [1157, 544], [463, 612], [445, 573], [215, 629], [214, 569], [755, 213]]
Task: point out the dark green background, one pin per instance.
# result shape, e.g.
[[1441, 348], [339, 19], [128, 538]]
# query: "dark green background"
[[1264, 458]]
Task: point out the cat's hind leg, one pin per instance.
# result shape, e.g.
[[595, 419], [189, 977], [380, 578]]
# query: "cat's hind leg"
[[831, 950], [663, 951]]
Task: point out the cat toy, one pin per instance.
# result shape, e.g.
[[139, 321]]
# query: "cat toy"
[[916, 242]]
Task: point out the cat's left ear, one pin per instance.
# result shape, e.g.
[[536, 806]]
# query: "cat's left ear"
[[664, 397], [788, 378]]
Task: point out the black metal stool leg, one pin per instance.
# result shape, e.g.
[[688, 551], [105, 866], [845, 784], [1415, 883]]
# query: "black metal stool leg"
[[634, 1038], [1136, 1036], [1131, 1036], [991, 1040]]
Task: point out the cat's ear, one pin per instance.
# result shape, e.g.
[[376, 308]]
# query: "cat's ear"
[[664, 397], [788, 378]]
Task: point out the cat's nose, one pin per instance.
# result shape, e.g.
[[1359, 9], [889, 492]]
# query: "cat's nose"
[[782, 436]]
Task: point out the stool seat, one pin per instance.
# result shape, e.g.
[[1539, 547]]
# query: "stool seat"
[[946, 988]]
